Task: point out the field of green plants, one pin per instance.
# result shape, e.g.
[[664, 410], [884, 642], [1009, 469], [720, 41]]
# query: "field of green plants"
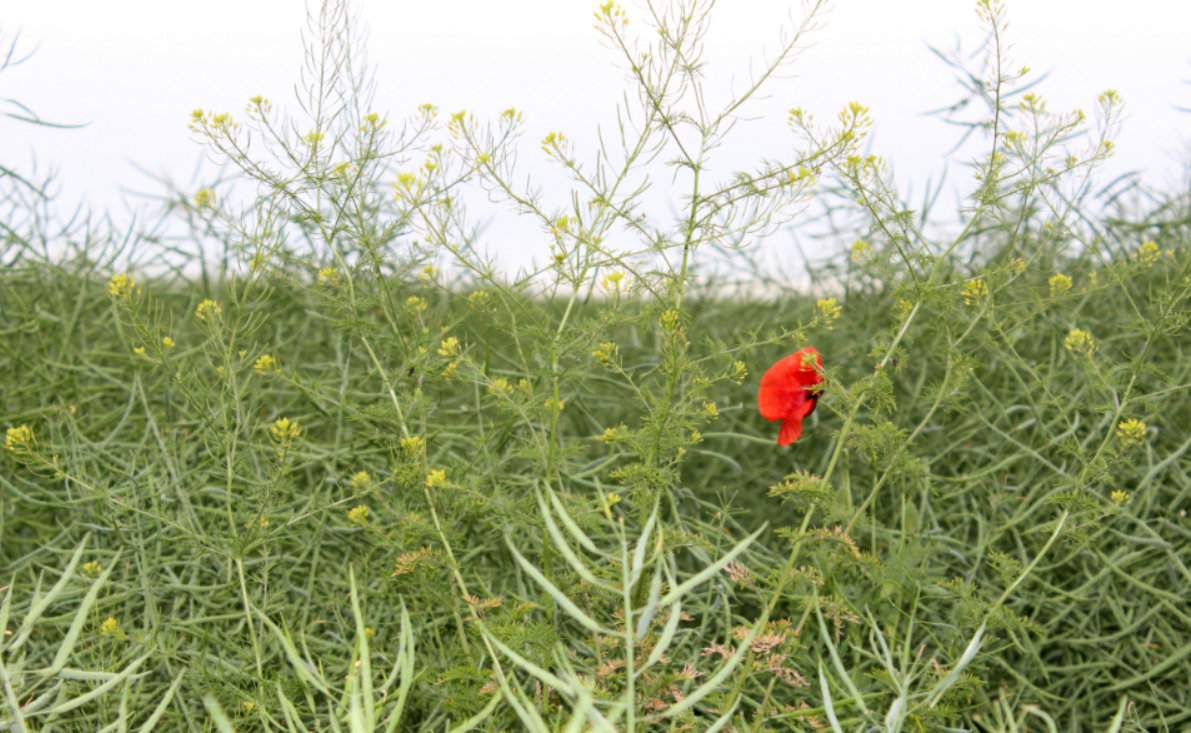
[[304, 458]]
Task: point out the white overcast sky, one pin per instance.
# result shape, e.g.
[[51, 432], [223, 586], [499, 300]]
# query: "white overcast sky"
[[134, 69]]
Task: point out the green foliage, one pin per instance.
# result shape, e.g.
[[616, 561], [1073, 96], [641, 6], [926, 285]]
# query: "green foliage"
[[342, 474]]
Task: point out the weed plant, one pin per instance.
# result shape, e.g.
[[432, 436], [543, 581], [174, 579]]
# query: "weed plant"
[[313, 463]]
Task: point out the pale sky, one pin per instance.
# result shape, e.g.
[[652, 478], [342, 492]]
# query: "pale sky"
[[134, 69]]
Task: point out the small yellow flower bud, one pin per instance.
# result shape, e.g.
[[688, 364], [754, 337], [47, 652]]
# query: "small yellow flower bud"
[[264, 364], [605, 353], [208, 310], [612, 280], [358, 515], [1059, 284], [328, 276], [829, 310], [449, 347], [611, 435], [110, 627], [974, 291], [1148, 253], [285, 430], [204, 198], [121, 286], [1131, 432], [1079, 341]]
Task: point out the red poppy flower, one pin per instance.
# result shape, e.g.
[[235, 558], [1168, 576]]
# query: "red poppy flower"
[[787, 393]]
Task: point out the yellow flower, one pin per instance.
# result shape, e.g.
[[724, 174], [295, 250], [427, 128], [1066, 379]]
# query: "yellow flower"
[[478, 299], [328, 276], [974, 291], [428, 273], [285, 430], [449, 347], [204, 198], [740, 372], [711, 410], [499, 386], [416, 304], [121, 286], [406, 181], [167, 342], [605, 353], [1079, 341], [1059, 284], [612, 280], [436, 477], [555, 406], [553, 141], [611, 435], [1131, 432], [1018, 265], [139, 350], [111, 627], [669, 319], [360, 480], [1119, 496], [265, 364], [1148, 253], [413, 444], [613, 498], [860, 250], [18, 439], [449, 371], [92, 569], [358, 515], [829, 310], [314, 137], [208, 310]]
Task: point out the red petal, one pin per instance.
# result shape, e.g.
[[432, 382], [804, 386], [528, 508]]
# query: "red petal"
[[791, 430], [775, 397], [782, 392]]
